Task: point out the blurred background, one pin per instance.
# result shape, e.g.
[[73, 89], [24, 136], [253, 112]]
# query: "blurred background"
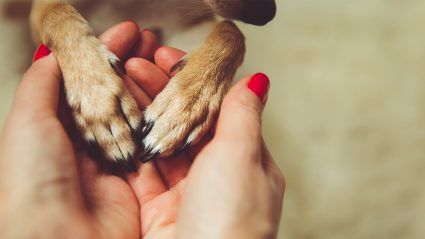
[[346, 113]]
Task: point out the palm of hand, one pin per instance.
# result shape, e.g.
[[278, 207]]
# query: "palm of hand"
[[159, 187]]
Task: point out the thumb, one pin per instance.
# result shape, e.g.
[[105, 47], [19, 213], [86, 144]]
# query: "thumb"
[[240, 116], [39, 88]]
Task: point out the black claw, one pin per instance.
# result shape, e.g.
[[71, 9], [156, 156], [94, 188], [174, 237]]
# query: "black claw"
[[131, 163], [93, 144], [122, 163], [182, 149], [137, 134], [147, 152], [149, 157], [118, 68], [176, 68], [146, 129], [128, 164], [94, 148]]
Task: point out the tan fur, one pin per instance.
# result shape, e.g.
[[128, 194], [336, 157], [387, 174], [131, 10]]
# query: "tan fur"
[[102, 107], [197, 91]]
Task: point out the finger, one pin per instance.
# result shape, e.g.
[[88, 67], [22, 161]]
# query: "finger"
[[38, 92], [147, 75], [173, 169], [121, 38], [35, 170], [240, 116], [141, 97], [147, 183], [146, 46], [166, 57]]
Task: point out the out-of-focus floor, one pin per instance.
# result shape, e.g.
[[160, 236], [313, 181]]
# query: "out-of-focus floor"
[[345, 118]]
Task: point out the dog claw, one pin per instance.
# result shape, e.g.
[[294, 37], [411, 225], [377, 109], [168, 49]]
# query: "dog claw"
[[137, 133], [132, 164], [147, 152], [117, 66], [146, 129], [176, 68], [128, 164], [119, 69], [148, 155], [93, 144], [182, 149]]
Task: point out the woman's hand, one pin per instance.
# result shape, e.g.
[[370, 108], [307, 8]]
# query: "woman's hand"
[[228, 186], [49, 187], [225, 187]]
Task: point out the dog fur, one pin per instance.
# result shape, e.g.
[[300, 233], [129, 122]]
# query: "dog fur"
[[102, 107]]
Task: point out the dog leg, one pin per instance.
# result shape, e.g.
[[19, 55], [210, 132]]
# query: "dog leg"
[[185, 110], [102, 107]]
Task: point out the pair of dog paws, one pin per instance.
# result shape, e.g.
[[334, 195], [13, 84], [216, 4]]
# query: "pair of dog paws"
[[180, 115], [109, 118]]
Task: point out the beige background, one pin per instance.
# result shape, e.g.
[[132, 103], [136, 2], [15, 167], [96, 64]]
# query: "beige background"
[[345, 117]]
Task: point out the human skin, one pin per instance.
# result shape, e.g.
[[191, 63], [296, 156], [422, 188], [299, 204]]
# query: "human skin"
[[227, 186]]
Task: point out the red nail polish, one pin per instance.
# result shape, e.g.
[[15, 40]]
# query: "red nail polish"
[[42, 51], [260, 84]]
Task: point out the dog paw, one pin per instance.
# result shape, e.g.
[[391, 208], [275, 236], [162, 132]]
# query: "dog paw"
[[185, 110], [102, 107], [180, 115]]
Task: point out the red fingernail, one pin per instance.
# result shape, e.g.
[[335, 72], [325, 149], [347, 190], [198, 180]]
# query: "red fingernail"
[[260, 84], [42, 51]]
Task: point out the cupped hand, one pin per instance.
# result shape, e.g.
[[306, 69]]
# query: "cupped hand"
[[49, 185], [227, 186]]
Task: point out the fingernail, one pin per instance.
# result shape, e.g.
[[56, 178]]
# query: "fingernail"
[[259, 85], [42, 51]]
